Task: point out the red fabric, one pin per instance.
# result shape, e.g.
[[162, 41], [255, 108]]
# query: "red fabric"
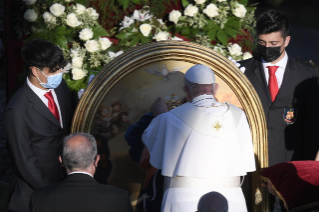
[[52, 106], [273, 84], [297, 181]]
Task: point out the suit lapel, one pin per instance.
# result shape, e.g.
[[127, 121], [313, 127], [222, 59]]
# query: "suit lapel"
[[260, 75], [286, 82], [39, 106], [62, 105]]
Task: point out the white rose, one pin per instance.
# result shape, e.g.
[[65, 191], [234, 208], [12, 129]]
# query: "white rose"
[[221, 0], [190, 10], [29, 2], [161, 36], [72, 20], [92, 13], [200, 1], [30, 15], [49, 18], [77, 62], [247, 55], [105, 43], [86, 34], [176, 38], [211, 10], [75, 53], [79, 9], [145, 29], [235, 50], [57, 9], [92, 46], [79, 73], [174, 16], [239, 10]]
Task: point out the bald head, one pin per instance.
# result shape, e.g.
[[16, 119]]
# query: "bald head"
[[212, 202], [79, 151]]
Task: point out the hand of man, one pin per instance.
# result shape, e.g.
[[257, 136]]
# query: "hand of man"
[[159, 107], [270, 188]]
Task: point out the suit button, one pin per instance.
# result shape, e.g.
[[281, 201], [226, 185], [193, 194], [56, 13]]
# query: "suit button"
[[271, 108]]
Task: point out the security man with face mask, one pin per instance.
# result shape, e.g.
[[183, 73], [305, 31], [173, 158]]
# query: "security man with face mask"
[[288, 92], [36, 120]]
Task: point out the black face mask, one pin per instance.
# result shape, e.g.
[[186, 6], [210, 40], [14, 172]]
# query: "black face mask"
[[270, 54]]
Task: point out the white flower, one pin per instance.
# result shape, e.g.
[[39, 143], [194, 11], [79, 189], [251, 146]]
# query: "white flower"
[[79, 73], [113, 54], [161, 36], [219, 50], [174, 16], [68, 0], [92, 46], [145, 29], [221, 0], [30, 15], [72, 20], [79, 9], [247, 55], [200, 1], [105, 43], [239, 10], [75, 52], [49, 18], [160, 21], [211, 10], [137, 15], [67, 68], [57, 9], [29, 2], [77, 62], [235, 50], [92, 13], [176, 38], [126, 22], [86, 34], [190, 10]]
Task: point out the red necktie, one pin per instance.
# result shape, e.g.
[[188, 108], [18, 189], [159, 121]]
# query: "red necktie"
[[273, 84], [52, 106]]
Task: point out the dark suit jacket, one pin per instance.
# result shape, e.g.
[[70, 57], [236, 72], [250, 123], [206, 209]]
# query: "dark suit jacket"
[[35, 139], [299, 90], [80, 192]]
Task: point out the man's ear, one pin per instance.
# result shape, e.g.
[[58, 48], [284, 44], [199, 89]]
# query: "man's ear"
[[287, 40], [60, 159], [188, 97], [34, 71], [97, 160]]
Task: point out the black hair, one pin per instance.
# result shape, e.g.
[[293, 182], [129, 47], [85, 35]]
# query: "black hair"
[[273, 21], [42, 53]]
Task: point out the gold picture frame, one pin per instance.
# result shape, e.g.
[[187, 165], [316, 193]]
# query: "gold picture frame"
[[186, 52]]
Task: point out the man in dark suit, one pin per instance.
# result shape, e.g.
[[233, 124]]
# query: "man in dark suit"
[[288, 92], [36, 120], [79, 191]]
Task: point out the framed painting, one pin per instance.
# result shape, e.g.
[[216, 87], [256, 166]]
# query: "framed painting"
[[124, 90]]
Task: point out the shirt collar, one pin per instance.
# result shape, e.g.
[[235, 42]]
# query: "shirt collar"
[[203, 98], [37, 90], [282, 63], [81, 173]]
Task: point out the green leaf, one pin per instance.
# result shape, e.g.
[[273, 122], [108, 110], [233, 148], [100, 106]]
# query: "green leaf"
[[134, 41], [195, 31], [99, 31], [75, 85], [83, 2], [136, 1], [124, 35], [212, 34], [244, 2], [222, 37], [230, 31], [234, 24], [185, 3], [61, 41], [37, 35], [145, 40], [124, 3], [186, 31]]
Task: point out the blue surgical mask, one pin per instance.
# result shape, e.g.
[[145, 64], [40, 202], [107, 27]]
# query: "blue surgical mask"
[[53, 81]]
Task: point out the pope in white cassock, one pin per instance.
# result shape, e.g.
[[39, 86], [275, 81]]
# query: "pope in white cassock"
[[201, 146]]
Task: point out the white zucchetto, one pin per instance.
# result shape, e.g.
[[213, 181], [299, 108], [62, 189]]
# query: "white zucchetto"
[[200, 74]]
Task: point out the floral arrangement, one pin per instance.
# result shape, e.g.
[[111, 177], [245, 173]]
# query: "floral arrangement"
[[222, 25], [75, 29]]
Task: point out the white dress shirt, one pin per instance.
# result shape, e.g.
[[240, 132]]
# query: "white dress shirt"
[[81, 173], [40, 93], [280, 71]]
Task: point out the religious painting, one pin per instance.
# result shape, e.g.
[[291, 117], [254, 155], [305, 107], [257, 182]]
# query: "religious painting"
[[128, 86]]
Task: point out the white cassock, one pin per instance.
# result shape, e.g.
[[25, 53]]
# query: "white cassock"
[[201, 147]]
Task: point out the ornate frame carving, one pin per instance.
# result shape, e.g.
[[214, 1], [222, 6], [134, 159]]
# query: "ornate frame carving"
[[189, 52]]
